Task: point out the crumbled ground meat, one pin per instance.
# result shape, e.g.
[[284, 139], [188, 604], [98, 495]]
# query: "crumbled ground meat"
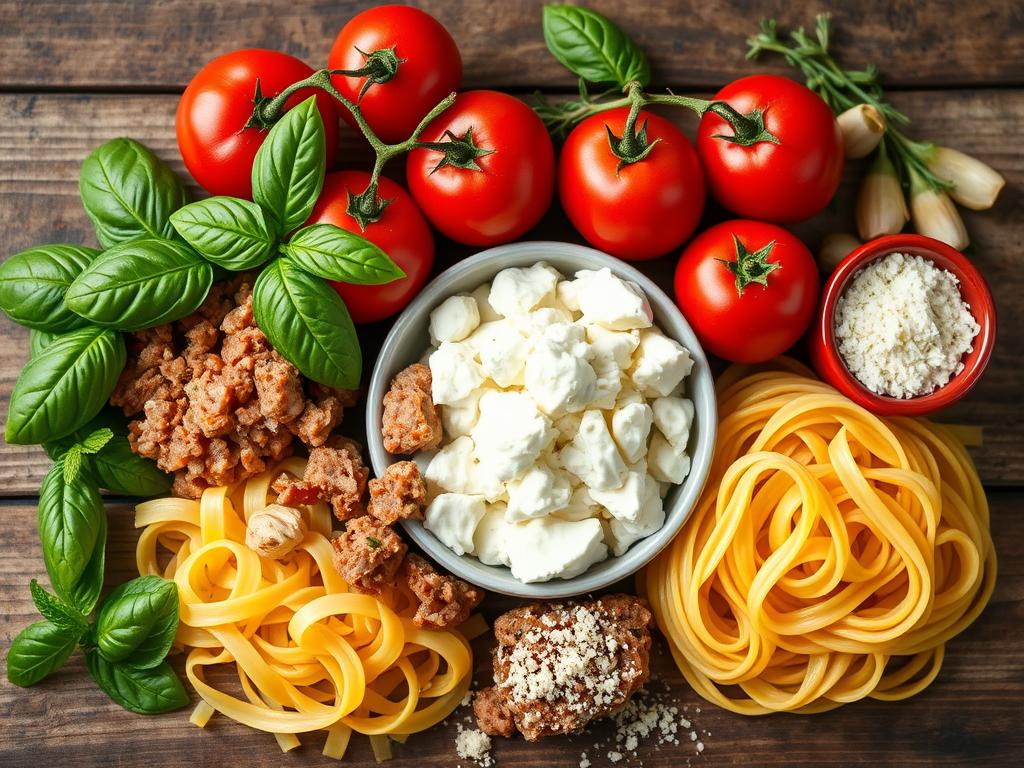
[[398, 494], [368, 555], [212, 402], [335, 473], [557, 667], [445, 601], [411, 421]]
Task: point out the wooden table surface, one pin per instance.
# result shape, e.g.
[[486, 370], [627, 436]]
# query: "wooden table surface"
[[74, 73]]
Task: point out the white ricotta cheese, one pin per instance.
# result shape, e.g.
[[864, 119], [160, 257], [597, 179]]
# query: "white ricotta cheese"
[[510, 433], [660, 364], [455, 373], [549, 547], [454, 319], [453, 517]]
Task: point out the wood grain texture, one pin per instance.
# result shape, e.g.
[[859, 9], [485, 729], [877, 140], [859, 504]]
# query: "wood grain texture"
[[970, 715], [123, 44], [43, 139]]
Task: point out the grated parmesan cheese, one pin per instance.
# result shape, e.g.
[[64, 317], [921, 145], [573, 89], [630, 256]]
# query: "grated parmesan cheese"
[[902, 327], [471, 744]]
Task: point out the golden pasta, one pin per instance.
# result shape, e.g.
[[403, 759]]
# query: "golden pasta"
[[307, 654], [831, 556]]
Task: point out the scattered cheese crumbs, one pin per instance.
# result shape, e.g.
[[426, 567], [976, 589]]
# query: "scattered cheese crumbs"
[[584, 762], [471, 744], [615, 756], [902, 326]]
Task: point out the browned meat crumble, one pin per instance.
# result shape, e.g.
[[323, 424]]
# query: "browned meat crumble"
[[445, 601], [411, 421], [399, 494]]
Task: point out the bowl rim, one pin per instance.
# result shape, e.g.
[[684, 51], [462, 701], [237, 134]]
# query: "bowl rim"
[[943, 256], [684, 497]]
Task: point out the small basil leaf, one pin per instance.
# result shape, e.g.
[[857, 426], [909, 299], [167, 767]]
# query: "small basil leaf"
[[593, 47], [39, 340], [138, 621], [65, 385], [57, 611], [288, 170], [72, 463], [94, 441], [330, 252], [145, 691], [141, 284], [38, 651], [308, 323], [128, 192], [33, 284], [227, 231], [71, 521]]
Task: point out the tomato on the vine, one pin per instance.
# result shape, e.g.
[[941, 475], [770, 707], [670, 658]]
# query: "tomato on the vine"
[[408, 62], [787, 179], [748, 289], [215, 140], [488, 172], [636, 202], [401, 232]]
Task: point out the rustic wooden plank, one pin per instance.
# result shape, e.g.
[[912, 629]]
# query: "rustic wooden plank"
[[968, 716], [114, 44], [43, 139]]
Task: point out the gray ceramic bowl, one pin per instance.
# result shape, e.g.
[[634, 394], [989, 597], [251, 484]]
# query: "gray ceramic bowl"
[[408, 340]]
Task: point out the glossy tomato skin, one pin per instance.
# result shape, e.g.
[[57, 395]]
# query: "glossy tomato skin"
[[432, 68], [766, 320], [785, 182], [217, 148], [402, 233], [515, 183], [644, 209]]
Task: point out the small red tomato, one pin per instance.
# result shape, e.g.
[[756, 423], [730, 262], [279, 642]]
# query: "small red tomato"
[[787, 181], [401, 232], [217, 148], [748, 289], [418, 65], [502, 191], [637, 210]]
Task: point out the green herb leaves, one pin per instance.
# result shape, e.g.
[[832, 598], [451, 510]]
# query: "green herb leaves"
[[38, 651], [333, 253], [138, 621], [230, 232], [308, 323], [33, 284], [145, 691], [593, 47]]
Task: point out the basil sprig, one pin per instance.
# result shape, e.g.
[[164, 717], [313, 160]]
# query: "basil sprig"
[[33, 284], [228, 231], [144, 691], [38, 651], [593, 48], [333, 253], [138, 622]]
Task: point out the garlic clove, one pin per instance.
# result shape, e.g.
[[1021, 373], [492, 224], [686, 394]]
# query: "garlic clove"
[[834, 248], [275, 531], [935, 215], [863, 127], [976, 185], [881, 206]]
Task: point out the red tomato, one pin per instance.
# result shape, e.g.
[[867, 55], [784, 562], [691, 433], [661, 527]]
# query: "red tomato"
[[785, 182], [748, 289], [509, 189], [217, 148], [429, 68], [401, 232], [642, 210]]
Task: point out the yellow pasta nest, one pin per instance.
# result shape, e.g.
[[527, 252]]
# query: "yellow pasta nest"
[[307, 654], [831, 556]]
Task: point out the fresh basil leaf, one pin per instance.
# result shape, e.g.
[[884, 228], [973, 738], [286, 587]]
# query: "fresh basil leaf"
[[72, 524], [72, 463], [138, 621], [38, 651], [593, 47], [141, 284], [33, 284], [95, 440], [57, 611], [288, 170], [65, 385], [330, 252], [145, 691], [128, 192], [308, 323], [39, 340], [227, 231], [85, 592]]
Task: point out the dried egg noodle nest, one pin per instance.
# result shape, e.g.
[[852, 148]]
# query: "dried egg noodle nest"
[[827, 542], [308, 653]]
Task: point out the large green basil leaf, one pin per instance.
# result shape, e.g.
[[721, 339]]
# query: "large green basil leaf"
[[65, 385], [33, 284], [39, 340], [72, 526], [308, 323], [330, 252], [145, 691], [138, 621], [288, 171], [85, 592], [593, 47], [227, 231], [128, 192], [38, 651], [57, 611], [141, 284]]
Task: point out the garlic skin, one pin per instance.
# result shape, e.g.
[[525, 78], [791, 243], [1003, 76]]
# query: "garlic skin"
[[863, 127], [834, 248], [977, 185], [881, 207], [935, 215], [275, 531]]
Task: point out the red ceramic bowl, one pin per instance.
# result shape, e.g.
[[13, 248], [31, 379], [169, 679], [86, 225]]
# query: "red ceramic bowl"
[[829, 363]]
